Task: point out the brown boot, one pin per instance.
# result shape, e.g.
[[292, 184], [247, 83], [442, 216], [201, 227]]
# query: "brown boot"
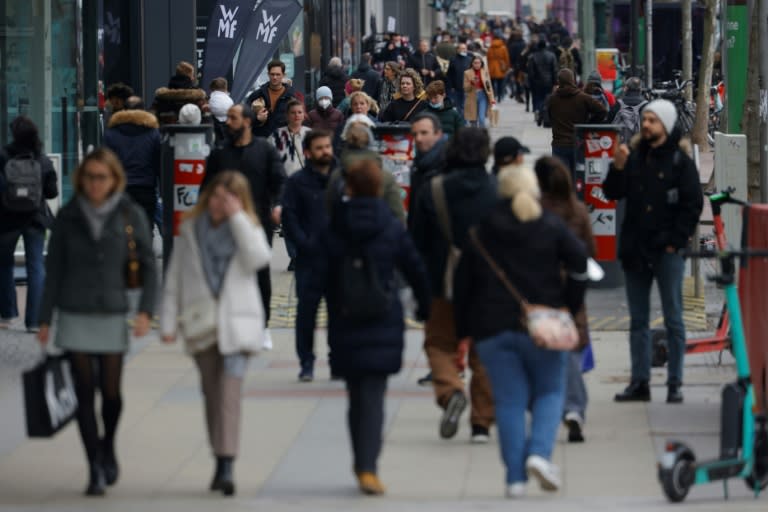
[[369, 483]]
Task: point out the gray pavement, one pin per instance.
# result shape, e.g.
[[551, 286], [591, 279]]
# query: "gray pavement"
[[295, 454]]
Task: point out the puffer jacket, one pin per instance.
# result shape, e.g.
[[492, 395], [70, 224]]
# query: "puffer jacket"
[[133, 135], [498, 59]]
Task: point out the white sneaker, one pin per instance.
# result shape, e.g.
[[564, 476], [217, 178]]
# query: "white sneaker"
[[267, 343], [544, 471], [515, 490]]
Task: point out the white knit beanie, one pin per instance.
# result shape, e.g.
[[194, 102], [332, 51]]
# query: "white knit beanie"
[[190, 114], [666, 112]]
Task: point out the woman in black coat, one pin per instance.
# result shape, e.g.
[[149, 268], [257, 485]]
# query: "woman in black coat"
[[363, 247]]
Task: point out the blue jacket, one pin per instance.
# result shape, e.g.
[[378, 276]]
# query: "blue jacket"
[[375, 347], [454, 79], [304, 209], [133, 135]]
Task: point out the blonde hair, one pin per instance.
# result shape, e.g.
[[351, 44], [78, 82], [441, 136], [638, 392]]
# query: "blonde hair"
[[234, 182], [106, 157], [521, 186], [372, 104]]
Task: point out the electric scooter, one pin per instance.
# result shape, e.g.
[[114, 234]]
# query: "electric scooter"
[[721, 340], [743, 434]]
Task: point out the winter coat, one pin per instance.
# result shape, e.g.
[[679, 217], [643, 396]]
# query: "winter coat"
[[401, 110], [663, 199], [329, 119], [419, 61], [261, 165], [181, 82], [533, 255], [371, 79], [515, 49], [239, 310], [373, 347], [425, 166], [336, 79], [304, 210], [498, 60], [470, 195], [277, 113], [42, 218], [134, 136], [470, 101], [569, 106], [454, 79], [84, 275], [542, 69], [450, 118], [168, 103]]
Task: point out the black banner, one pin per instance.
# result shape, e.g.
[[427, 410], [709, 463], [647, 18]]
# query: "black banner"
[[267, 28], [226, 27]]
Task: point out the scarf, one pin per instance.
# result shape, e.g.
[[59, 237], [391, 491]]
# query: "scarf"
[[217, 247], [97, 215]]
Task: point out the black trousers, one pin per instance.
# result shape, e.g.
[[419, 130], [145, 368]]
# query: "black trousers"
[[146, 197], [366, 419], [264, 279]]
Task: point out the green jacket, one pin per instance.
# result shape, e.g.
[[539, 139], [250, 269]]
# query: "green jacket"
[[84, 275], [450, 118]]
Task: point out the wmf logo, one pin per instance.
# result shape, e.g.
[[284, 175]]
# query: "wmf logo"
[[227, 22], [267, 27]]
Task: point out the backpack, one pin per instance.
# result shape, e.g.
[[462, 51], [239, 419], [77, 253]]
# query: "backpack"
[[600, 96], [364, 298], [628, 120], [23, 184]]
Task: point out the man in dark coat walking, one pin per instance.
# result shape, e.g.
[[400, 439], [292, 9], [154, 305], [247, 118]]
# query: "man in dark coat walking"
[[542, 75], [370, 77], [455, 76], [425, 63]]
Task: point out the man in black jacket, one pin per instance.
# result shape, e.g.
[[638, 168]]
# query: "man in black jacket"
[[430, 142], [370, 77], [259, 161], [455, 76], [542, 75], [304, 219], [425, 63], [275, 96], [439, 225], [660, 184]]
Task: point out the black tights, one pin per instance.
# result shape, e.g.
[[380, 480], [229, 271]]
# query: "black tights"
[[88, 371]]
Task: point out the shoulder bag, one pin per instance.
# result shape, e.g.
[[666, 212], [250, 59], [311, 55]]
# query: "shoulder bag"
[[133, 278]]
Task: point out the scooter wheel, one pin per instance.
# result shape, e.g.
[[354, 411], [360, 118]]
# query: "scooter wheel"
[[659, 345], [677, 480], [755, 484]]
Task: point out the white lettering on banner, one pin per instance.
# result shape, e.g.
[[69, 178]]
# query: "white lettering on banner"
[[192, 168], [61, 404], [227, 22], [185, 197], [267, 27]]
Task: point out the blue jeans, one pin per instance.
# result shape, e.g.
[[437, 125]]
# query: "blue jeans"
[[539, 96], [521, 374], [457, 97], [34, 239], [668, 273], [482, 108], [568, 157]]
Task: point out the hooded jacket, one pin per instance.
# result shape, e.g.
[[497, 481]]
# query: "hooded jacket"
[[663, 199], [134, 136], [570, 106], [335, 78], [498, 59], [41, 219], [168, 102], [277, 113], [371, 80], [373, 347], [450, 118]]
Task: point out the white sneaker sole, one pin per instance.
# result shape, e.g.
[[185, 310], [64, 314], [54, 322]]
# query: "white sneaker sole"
[[546, 482]]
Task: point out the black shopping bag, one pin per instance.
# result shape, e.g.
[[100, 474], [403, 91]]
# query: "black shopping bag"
[[49, 397]]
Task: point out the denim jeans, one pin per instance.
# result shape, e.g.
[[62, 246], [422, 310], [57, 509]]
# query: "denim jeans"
[[365, 419], [457, 97], [521, 374], [306, 314], [34, 239], [539, 96], [576, 397], [668, 273], [568, 157], [482, 108], [499, 86]]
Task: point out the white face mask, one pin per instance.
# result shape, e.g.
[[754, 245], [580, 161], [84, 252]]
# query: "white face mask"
[[324, 103]]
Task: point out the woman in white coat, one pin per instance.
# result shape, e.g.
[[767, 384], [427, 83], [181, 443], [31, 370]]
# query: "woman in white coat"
[[211, 300]]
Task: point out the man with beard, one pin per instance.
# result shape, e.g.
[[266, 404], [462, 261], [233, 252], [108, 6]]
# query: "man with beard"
[[304, 219], [259, 161], [275, 96], [660, 183]]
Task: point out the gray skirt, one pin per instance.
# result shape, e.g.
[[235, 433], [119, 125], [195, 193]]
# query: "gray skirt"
[[92, 332]]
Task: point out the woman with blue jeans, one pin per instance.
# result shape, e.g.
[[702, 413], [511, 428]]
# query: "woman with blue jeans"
[[29, 223], [479, 93], [532, 247]]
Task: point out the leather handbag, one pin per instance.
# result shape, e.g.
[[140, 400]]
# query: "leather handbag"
[[133, 278], [550, 328], [198, 320]]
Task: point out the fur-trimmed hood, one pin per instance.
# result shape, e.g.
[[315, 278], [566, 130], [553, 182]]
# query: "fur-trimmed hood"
[[684, 143], [135, 117], [179, 95]]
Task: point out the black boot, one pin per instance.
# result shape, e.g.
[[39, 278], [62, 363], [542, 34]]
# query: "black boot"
[[637, 391], [223, 478], [674, 395], [109, 463], [97, 484]]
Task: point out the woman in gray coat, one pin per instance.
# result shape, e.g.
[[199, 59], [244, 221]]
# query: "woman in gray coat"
[[87, 277]]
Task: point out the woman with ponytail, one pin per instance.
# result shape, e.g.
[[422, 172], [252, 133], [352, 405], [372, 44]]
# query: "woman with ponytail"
[[531, 246]]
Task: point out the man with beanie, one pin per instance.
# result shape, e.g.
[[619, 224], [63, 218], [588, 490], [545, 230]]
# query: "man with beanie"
[[325, 116], [660, 183], [594, 87], [569, 106]]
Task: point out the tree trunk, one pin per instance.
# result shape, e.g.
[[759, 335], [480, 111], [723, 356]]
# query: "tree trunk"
[[701, 125], [750, 122], [687, 31]]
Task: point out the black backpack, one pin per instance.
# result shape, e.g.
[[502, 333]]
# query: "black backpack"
[[628, 120], [23, 184], [364, 298]]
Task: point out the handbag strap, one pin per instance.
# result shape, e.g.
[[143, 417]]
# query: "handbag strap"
[[129, 234], [496, 268], [441, 207], [411, 111]]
